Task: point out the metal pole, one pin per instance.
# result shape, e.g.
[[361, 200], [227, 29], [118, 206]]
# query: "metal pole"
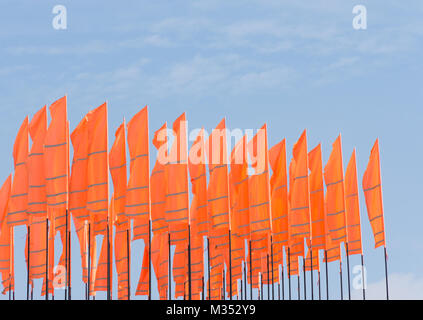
[[89, 261], [289, 271], [251, 271], [320, 292], [283, 283], [169, 264], [305, 280], [311, 272], [327, 276], [340, 279], [348, 271], [363, 277], [189, 264], [268, 278], [47, 258], [70, 263], [230, 265], [208, 266], [149, 259], [128, 263], [386, 274], [108, 262], [273, 278], [28, 260], [66, 256]]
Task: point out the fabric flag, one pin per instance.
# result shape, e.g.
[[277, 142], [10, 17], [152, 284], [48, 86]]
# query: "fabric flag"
[[334, 179], [161, 266], [239, 192], [352, 207], [372, 186], [78, 182], [18, 204], [317, 199], [180, 268], [143, 285], [332, 249], [176, 172], [159, 183], [279, 193], [299, 212], [37, 201], [98, 168], [316, 261], [197, 170], [218, 188], [138, 192], [6, 239]]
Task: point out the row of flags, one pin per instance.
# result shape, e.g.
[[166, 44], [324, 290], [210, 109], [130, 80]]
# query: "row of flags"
[[247, 212]]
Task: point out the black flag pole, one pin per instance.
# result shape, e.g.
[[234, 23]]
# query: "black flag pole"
[[348, 271], [189, 264], [169, 264], [363, 277], [89, 261], [271, 262], [283, 283], [340, 279], [386, 274], [149, 258], [28, 260], [245, 280], [311, 271], [305, 280], [251, 270], [268, 278], [70, 261], [47, 258], [289, 272], [327, 275], [298, 286], [230, 265], [108, 262], [66, 256], [208, 266], [128, 260], [320, 291], [223, 286]]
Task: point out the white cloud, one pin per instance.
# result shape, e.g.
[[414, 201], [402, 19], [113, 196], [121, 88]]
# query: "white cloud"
[[402, 286]]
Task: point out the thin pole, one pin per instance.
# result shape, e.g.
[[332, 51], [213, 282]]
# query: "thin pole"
[[327, 276], [70, 263], [223, 291], [230, 265], [202, 285], [149, 259], [108, 262], [311, 272], [289, 271], [348, 271], [340, 279], [298, 286], [320, 292], [28, 260], [208, 266], [10, 286], [386, 274], [169, 264], [273, 278], [283, 283], [189, 264], [279, 291], [268, 279], [89, 260], [245, 279], [251, 271], [363, 277], [66, 255], [128, 263], [47, 258], [261, 286], [305, 280]]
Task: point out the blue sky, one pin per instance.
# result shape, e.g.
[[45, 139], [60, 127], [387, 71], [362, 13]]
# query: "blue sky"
[[291, 64]]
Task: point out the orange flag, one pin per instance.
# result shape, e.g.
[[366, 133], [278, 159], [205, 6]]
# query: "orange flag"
[[138, 192], [332, 249], [98, 168], [299, 212], [18, 204], [37, 201], [372, 186], [353, 208], [218, 188], [197, 170], [159, 183], [143, 288], [6, 239], [279, 192], [78, 181], [239, 192], [176, 172], [334, 179], [317, 199]]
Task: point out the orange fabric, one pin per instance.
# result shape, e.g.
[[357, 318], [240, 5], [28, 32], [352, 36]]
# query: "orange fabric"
[[197, 170], [117, 163], [101, 274], [97, 165], [197, 265], [176, 172], [216, 269], [259, 244], [372, 186], [6, 244], [37, 201], [142, 288], [334, 179], [352, 207], [299, 212], [37, 247], [160, 264], [292, 265], [137, 194], [18, 204], [217, 192], [333, 249], [239, 193], [316, 261], [56, 157], [279, 193], [180, 267], [158, 185], [78, 181], [317, 198]]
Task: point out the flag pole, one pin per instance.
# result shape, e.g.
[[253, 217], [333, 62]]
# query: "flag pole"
[[320, 292], [230, 264], [189, 263], [289, 271], [149, 257], [327, 276], [89, 261], [298, 286], [28, 260], [363, 277], [223, 291], [202, 286], [70, 261], [208, 266], [340, 279], [268, 278], [348, 271], [108, 261], [283, 281], [311, 271], [47, 260], [169, 264], [304, 276], [273, 278], [251, 271], [66, 256], [245, 279], [128, 261], [386, 274]]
